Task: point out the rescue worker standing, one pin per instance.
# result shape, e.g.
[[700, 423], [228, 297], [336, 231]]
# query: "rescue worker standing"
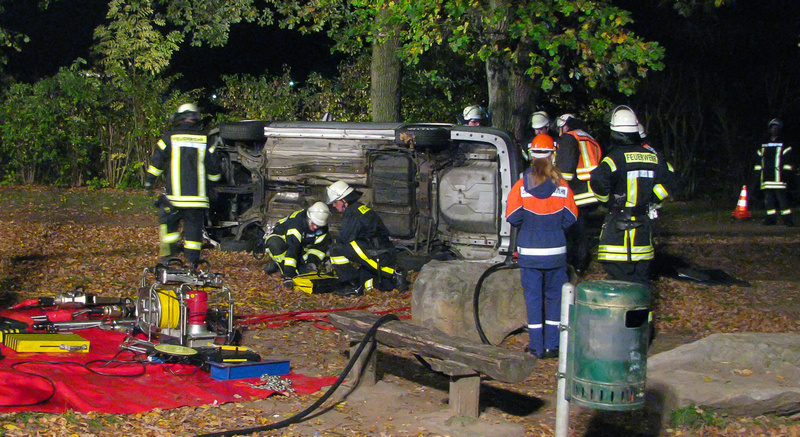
[[298, 242], [189, 165], [578, 154], [629, 179], [775, 166], [363, 239], [541, 206]]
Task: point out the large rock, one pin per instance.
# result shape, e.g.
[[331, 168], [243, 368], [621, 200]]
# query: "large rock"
[[443, 299], [740, 374]]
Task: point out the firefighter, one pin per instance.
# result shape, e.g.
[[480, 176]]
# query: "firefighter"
[[474, 115], [578, 154], [189, 164], [541, 206], [363, 239], [628, 180], [298, 242], [775, 166], [540, 122]]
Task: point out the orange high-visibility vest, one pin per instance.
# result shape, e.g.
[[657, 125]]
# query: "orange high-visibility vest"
[[589, 154]]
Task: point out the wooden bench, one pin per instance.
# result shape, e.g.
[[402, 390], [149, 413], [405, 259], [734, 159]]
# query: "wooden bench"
[[463, 360]]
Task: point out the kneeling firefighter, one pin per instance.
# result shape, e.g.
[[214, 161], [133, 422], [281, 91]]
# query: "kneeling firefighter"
[[298, 242], [629, 179], [363, 239]]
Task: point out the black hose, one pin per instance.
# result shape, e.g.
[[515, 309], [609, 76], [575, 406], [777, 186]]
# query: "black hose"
[[507, 264], [299, 416]]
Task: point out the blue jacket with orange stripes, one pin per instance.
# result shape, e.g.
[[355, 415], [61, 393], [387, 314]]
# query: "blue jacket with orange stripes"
[[541, 213]]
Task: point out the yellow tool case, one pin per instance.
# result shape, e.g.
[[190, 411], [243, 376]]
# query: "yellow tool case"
[[46, 343]]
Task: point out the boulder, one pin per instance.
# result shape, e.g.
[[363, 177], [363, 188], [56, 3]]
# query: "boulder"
[[739, 374], [443, 299]]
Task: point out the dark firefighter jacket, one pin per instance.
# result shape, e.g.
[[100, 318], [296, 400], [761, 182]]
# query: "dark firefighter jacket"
[[187, 161], [629, 179], [775, 165], [301, 240]]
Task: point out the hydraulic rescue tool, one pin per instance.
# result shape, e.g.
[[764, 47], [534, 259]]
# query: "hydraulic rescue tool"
[[76, 298], [175, 308]]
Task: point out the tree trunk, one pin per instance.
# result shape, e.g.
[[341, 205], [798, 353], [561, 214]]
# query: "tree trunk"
[[385, 74]]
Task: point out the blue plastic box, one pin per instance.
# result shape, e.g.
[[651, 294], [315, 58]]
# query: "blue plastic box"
[[248, 369]]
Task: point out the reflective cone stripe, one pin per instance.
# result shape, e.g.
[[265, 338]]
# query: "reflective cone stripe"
[[741, 210]]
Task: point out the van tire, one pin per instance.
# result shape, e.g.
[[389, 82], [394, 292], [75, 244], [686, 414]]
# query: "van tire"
[[243, 131]]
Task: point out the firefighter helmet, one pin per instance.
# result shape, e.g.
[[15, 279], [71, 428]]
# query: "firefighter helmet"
[[539, 120], [473, 112], [624, 120], [542, 146], [776, 122], [562, 119], [338, 191], [318, 214], [187, 111]]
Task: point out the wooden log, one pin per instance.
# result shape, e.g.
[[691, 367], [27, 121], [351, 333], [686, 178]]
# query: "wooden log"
[[492, 361]]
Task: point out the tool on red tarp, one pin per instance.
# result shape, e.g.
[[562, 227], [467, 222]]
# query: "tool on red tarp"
[[76, 298], [121, 325], [184, 306], [32, 342]]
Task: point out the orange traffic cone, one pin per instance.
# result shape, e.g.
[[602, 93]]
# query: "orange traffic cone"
[[741, 211]]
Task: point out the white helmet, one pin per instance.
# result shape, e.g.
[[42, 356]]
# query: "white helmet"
[[562, 119], [539, 120], [624, 120], [187, 111], [473, 112], [318, 214], [338, 191]]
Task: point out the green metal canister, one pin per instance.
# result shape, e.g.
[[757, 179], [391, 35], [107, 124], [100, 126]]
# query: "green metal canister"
[[609, 332]]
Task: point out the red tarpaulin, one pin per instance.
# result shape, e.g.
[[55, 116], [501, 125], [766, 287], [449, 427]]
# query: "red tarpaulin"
[[78, 389]]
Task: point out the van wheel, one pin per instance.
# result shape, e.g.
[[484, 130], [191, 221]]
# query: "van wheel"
[[243, 131]]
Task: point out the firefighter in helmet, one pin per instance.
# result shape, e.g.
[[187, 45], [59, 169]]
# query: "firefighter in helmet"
[[363, 240], [298, 242], [628, 180], [474, 115], [540, 122], [189, 164], [578, 154], [775, 166]]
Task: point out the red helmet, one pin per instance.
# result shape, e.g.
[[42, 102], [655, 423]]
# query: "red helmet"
[[542, 146]]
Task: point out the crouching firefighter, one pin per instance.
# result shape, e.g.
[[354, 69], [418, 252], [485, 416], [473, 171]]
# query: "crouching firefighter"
[[363, 240], [629, 179], [189, 164], [298, 242]]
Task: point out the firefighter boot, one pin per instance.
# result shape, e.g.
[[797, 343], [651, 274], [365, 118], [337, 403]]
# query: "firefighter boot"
[[356, 290], [787, 220], [770, 220]]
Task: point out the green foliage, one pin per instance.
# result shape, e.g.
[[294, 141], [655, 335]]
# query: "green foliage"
[[136, 37], [48, 128], [279, 98], [77, 127]]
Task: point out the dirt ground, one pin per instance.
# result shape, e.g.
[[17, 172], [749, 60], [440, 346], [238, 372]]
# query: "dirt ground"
[[48, 253]]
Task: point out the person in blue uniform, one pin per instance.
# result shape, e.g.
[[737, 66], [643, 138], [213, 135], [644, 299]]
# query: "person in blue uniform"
[[542, 207]]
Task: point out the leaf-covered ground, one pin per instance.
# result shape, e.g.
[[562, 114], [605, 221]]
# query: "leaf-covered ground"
[[52, 241]]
